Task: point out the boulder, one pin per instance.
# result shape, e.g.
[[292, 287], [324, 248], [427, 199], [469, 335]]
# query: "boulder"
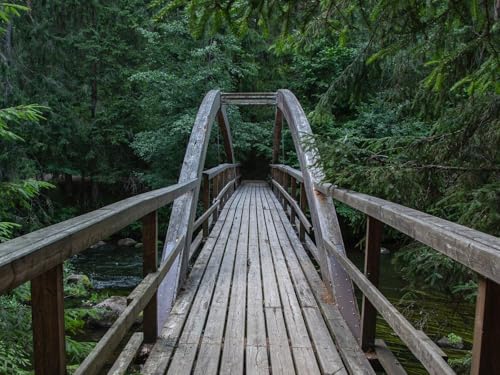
[[384, 251], [127, 242], [138, 245], [109, 310], [79, 279], [456, 343], [98, 244]]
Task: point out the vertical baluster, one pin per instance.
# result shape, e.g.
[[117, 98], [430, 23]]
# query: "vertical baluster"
[[372, 266], [47, 297], [206, 202], [303, 205], [150, 264], [293, 193], [486, 329]]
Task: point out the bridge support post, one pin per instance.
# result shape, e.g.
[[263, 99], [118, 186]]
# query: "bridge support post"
[[303, 205], [206, 202], [150, 264], [486, 329], [47, 297], [372, 267], [293, 193]]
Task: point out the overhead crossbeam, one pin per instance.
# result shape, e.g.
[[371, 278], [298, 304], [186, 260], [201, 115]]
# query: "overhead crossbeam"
[[249, 98]]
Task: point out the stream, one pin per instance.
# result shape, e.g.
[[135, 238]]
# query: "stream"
[[117, 270]]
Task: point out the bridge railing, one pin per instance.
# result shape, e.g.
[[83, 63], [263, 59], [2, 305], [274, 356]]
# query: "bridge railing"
[[39, 256], [219, 184], [476, 250]]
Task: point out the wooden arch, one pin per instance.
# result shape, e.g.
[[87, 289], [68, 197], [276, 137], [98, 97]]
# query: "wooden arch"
[[322, 210], [184, 207]]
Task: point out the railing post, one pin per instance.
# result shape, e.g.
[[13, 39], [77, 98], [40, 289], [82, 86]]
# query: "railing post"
[[486, 329], [303, 205], [293, 193], [286, 183], [372, 266], [150, 264], [217, 189], [206, 202], [47, 297]]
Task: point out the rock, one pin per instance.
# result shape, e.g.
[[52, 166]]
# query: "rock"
[[127, 242], [98, 244], [456, 343], [110, 309], [138, 245], [79, 279], [384, 251]]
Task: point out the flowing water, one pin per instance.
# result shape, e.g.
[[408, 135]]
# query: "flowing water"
[[119, 269]]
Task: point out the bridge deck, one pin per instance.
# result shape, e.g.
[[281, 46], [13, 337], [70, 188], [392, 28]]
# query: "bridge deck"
[[252, 302]]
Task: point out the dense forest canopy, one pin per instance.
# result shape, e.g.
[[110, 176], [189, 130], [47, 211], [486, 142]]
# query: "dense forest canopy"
[[98, 99]]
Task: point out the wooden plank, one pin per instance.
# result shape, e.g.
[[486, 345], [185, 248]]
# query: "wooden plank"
[[150, 265], [203, 219], [142, 294], [476, 250], [304, 359], [257, 361], [184, 208], [354, 359], [387, 360], [28, 256], [206, 207], [372, 268], [211, 342], [436, 348], [486, 329], [183, 358], [303, 206], [164, 348], [47, 297], [408, 334], [127, 355], [233, 354], [280, 354], [249, 98], [328, 357]]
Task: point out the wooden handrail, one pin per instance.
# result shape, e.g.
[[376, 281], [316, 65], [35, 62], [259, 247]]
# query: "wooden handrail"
[[24, 258], [215, 171], [476, 250]]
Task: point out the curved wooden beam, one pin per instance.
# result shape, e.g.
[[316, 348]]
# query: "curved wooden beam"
[[184, 208], [323, 214], [225, 130]]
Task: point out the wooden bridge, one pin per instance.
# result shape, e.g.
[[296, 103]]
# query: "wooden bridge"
[[238, 289]]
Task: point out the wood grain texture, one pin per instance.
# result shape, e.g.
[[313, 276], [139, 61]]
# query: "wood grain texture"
[[47, 297], [127, 355], [322, 210], [28, 256]]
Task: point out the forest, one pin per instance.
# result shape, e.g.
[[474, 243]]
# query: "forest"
[[98, 99]]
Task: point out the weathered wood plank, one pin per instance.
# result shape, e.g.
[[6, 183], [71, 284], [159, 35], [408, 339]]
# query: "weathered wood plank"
[[354, 359], [183, 357], [213, 333], [256, 341], [215, 171], [28, 256], [47, 297], [233, 354], [387, 360], [295, 207], [280, 354], [328, 357], [142, 294], [476, 250], [419, 347], [127, 355], [161, 354]]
